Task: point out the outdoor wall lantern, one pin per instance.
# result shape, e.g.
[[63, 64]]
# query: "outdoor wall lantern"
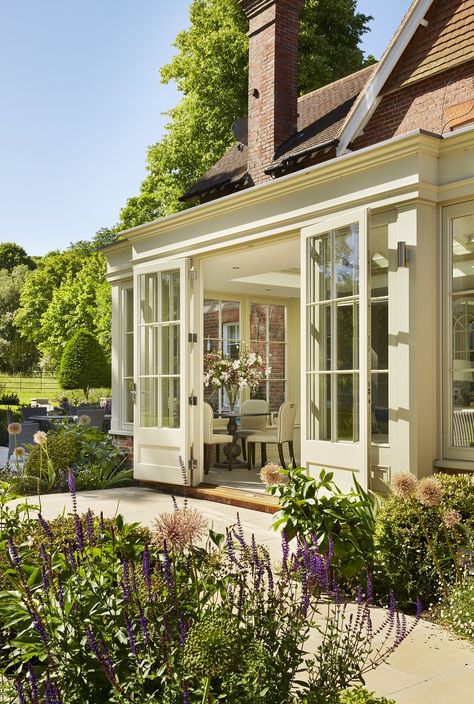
[[402, 254]]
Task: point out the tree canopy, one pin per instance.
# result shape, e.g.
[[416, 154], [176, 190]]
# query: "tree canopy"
[[12, 255], [83, 364], [17, 355], [210, 69]]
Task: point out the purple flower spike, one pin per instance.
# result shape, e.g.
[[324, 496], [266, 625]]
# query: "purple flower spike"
[[102, 655], [39, 626], [45, 527], [392, 604], [419, 608], [102, 526], [370, 587], [130, 634], [186, 699], [13, 552], [90, 527], [20, 691], [71, 556], [71, 482], [33, 685], [285, 550], [79, 533], [182, 632], [126, 582], [146, 568], [144, 625], [230, 547]]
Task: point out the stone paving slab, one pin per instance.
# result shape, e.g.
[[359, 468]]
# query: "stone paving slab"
[[431, 667]]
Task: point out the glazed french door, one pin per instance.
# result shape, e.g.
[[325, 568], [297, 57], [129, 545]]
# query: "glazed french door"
[[335, 348], [161, 432]]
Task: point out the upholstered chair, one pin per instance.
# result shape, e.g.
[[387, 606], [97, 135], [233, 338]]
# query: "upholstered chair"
[[284, 434], [251, 425], [211, 438]]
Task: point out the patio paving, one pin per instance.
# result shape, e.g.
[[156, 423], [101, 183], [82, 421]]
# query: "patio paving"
[[430, 667]]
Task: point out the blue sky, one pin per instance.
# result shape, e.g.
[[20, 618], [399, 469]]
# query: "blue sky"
[[82, 100]]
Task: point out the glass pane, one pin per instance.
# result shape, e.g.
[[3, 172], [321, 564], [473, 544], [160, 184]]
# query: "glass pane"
[[277, 360], [128, 361], [379, 325], [170, 349], [319, 338], [211, 320], [258, 321], [378, 243], [348, 336], [379, 421], [347, 407], [149, 298], [128, 304], [347, 261], [277, 323], [231, 340], [463, 332], [129, 403], [463, 253], [169, 295], [170, 403], [149, 351], [319, 268], [319, 394], [463, 389], [149, 403], [276, 394]]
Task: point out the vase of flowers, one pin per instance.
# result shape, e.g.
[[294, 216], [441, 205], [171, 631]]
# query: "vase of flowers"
[[247, 370]]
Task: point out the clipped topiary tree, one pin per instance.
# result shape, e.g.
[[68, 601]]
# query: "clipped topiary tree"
[[83, 364]]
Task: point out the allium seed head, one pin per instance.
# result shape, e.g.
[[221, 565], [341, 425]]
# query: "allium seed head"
[[40, 438], [84, 420], [451, 518], [19, 453], [404, 485], [272, 474], [429, 492], [179, 529], [14, 428]]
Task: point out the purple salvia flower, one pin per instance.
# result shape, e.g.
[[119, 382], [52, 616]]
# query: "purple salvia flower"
[[71, 482], [392, 604], [184, 476], [33, 678], [419, 609], [51, 693], [79, 533], [359, 596], [182, 632], [285, 550], [112, 532], [143, 625], [102, 657], [20, 691], [13, 552], [71, 556], [133, 578], [146, 568], [240, 532], [186, 699], [175, 503], [126, 582], [370, 587], [45, 527], [38, 625], [130, 634], [45, 573], [241, 600], [255, 557], [330, 548], [230, 547], [271, 581], [90, 527], [102, 525]]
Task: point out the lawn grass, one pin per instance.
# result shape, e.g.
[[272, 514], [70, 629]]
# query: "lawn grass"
[[28, 387]]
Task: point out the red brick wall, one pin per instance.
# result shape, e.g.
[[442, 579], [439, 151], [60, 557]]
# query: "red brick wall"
[[125, 443], [423, 105], [273, 79]]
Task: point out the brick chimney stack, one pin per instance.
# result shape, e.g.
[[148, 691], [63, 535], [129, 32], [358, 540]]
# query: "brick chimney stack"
[[273, 79]]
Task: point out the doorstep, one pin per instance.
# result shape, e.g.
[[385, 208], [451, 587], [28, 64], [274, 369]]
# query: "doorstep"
[[219, 494]]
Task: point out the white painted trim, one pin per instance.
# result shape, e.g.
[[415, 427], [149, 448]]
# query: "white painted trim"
[[368, 98]]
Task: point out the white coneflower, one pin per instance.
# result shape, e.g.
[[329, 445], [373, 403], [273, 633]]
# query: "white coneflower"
[[40, 437], [84, 420], [272, 474], [429, 492], [179, 529], [404, 485], [14, 428], [451, 518]]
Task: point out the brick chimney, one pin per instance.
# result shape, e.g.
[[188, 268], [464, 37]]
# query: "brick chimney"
[[273, 79]]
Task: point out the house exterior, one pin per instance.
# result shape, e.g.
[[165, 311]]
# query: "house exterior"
[[337, 238]]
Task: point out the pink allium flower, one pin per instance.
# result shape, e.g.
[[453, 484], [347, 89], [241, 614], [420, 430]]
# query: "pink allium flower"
[[14, 428], [272, 474], [179, 529], [404, 485], [84, 420], [429, 492], [451, 518], [40, 438]]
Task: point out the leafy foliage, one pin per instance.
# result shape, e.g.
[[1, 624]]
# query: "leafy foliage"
[[83, 364], [403, 562], [315, 506], [17, 355], [360, 695], [210, 69], [12, 255], [458, 612]]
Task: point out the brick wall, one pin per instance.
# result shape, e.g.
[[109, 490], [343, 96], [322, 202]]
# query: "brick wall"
[[424, 105], [125, 443]]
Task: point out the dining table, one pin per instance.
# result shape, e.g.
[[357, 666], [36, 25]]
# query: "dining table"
[[46, 423], [232, 429]]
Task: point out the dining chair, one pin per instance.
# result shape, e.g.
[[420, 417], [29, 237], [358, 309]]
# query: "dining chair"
[[250, 425], [284, 433], [28, 429], [211, 438], [95, 414], [29, 411]]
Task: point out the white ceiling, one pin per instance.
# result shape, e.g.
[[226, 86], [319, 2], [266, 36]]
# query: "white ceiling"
[[266, 270]]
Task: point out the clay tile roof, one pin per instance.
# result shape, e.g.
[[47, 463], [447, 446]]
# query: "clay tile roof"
[[320, 118]]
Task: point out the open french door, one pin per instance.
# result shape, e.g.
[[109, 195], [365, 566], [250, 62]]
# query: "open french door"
[[162, 372], [335, 349]]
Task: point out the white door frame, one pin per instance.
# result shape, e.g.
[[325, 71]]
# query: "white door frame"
[[342, 457]]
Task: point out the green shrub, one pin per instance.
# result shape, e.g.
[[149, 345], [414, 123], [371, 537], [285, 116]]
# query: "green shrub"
[[83, 364], [63, 450], [458, 613], [402, 561], [360, 695]]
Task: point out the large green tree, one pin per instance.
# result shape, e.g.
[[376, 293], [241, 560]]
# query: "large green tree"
[[210, 69], [17, 355], [12, 255]]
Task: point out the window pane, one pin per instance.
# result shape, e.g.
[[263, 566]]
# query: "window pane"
[[463, 253], [378, 243], [170, 403], [319, 410], [348, 407], [258, 321], [128, 361], [128, 304], [169, 295], [379, 325], [277, 360], [129, 402], [170, 349], [149, 298], [379, 420], [347, 261], [276, 394], [463, 332], [211, 320], [319, 338], [277, 323], [149, 351], [348, 336], [320, 268], [149, 403]]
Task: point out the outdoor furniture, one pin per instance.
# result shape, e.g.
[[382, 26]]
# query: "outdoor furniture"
[[25, 437], [47, 423], [10, 418], [95, 414], [211, 438], [29, 411], [284, 433], [250, 422]]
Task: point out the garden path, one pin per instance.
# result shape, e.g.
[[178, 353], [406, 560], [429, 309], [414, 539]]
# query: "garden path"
[[430, 667]]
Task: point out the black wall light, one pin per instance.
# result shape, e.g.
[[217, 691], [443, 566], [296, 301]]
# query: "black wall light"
[[402, 254]]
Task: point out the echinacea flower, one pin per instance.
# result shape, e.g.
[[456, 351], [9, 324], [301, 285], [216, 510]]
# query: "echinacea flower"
[[179, 529], [84, 420], [404, 485], [40, 437], [451, 518], [14, 428], [429, 492], [272, 474]]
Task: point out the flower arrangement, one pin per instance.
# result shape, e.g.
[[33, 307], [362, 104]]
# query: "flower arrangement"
[[247, 370]]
